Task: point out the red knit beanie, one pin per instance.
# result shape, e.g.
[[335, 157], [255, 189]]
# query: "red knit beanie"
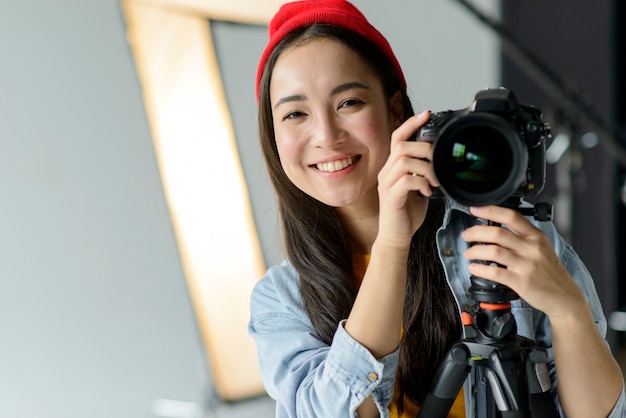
[[342, 13]]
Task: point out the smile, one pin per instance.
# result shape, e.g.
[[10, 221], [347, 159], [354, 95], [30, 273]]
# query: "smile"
[[333, 166]]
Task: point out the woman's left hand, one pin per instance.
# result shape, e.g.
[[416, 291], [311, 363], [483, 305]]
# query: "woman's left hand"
[[527, 261]]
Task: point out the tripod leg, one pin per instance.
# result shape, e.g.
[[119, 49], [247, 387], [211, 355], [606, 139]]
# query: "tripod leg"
[[508, 378], [447, 383]]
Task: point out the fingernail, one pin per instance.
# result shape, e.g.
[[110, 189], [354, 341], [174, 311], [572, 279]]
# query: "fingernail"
[[475, 210]]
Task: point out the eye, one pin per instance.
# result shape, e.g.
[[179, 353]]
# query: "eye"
[[350, 103], [293, 115]]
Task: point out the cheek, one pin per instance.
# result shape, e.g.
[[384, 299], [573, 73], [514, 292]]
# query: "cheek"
[[379, 139], [377, 124], [382, 154], [289, 152]]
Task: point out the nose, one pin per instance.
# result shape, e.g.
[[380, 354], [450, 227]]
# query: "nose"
[[328, 131]]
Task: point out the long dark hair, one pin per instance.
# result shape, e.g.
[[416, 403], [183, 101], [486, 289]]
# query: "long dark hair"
[[318, 247]]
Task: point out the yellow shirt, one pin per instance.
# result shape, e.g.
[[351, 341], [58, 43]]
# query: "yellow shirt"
[[410, 409], [359, 265]]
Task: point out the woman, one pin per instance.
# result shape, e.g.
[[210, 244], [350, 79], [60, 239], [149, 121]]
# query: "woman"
[[359, 317]]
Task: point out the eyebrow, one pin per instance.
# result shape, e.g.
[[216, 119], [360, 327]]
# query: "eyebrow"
[[337, 90], [293, 98], [348, 86]]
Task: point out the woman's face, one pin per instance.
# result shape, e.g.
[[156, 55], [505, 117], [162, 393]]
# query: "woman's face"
[[332, 122]]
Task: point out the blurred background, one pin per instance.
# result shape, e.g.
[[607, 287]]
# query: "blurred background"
[[137, 215]]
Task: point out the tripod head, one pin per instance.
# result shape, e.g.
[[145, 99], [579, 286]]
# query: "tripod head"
[[493, 318]]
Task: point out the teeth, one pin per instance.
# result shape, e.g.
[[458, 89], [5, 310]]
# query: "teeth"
[[335, 165]]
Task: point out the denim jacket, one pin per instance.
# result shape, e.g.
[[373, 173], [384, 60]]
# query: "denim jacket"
[[309, 378]]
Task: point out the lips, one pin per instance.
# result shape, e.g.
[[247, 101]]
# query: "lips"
[[332, 166]]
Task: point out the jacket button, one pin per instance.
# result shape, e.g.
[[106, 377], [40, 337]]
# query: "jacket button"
[[447, 251], [372, 377]]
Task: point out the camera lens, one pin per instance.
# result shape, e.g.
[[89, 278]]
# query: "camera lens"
[[479, 159]]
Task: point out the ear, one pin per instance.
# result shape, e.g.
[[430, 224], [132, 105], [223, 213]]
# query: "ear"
[[396, 109]]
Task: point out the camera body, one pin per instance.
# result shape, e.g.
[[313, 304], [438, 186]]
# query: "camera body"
[[489, 152]]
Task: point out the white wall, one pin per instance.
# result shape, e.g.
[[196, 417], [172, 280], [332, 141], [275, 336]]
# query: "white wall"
[[446, 53], [94, 315]]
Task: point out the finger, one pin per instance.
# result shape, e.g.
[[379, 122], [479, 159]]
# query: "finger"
[[404, 181], [420, 167], [490, 254], [406, 131], [420, 184], [505, 216], [408, 159], [414, 149], [493, 272], [492, 235]]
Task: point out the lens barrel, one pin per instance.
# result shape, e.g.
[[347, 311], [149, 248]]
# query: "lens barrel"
[[479, 159]]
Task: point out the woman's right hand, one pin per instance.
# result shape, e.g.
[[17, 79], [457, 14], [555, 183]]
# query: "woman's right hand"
[[408, 170]]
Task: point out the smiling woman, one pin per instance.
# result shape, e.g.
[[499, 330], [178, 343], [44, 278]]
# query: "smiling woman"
[[367, 305], [202, 176]]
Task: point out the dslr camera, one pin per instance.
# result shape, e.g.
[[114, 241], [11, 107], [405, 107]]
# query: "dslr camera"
[[490, 152]]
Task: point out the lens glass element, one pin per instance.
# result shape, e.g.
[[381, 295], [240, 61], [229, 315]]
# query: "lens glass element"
[[479, 159]]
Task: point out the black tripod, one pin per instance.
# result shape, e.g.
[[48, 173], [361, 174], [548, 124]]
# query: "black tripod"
[[514, 366]]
